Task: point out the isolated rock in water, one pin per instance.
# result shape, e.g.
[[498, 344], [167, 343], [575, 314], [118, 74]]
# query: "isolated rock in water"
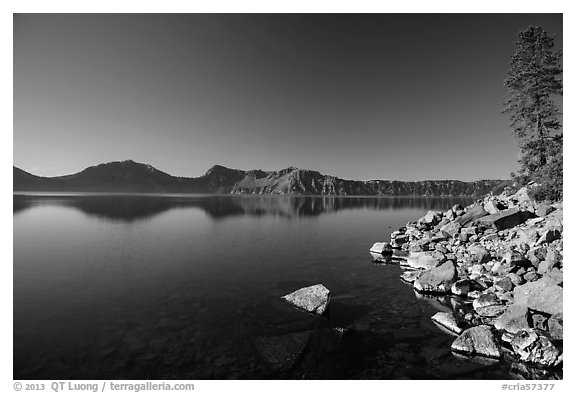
[[314, 299], [514, 319], [438, 279], [282, 352], [477, 340], [533, 346], [504, 219], [541, 295], [381, 248], [425, 259], [448, 321]]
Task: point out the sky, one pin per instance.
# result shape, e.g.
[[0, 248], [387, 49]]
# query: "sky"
[[358, 96]]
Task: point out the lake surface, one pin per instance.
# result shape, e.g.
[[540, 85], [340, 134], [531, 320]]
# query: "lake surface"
[[189, 287]]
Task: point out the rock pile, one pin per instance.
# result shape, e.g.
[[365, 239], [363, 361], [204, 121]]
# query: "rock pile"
[[503, 256]]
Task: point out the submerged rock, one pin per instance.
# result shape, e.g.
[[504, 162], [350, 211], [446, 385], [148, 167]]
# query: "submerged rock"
[[282, 352], [477, 340], [533, 346], [314, 299]]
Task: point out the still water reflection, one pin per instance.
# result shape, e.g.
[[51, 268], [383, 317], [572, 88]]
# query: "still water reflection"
[[189, 287]]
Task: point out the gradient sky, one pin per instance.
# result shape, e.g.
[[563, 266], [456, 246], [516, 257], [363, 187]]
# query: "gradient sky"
[[377, 96]]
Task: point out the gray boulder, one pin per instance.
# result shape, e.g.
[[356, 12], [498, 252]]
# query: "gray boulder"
[[541, 295], [491, 311], [504, 219], [425, 259], [451, 229], [556, 327], [544, 209], [447, 321], [381, 248], [438, 279], [314, 299], [477, 340], [478, 253], [410, 275], [552, 257], [432, 217], [473, 213], [513, 320], [486, 300], [462, 287], [533, 346]]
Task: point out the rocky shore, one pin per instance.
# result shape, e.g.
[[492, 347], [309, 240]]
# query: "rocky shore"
[[501, 261]]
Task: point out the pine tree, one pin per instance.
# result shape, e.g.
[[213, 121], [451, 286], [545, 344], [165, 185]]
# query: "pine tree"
[[534, 79]]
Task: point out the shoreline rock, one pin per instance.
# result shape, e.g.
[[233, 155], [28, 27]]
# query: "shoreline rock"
[[503, 254]]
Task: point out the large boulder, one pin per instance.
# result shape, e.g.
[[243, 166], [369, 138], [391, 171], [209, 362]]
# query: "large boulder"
[[314, 299], [541, 295], [381, 248], [533, 346], [477, 340], [504, 219], [451, 229], [473, 213], [438, 279], [514, 319], [425, 259], [433, 217]]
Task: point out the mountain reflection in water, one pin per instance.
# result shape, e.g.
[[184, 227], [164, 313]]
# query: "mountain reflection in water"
[[129, 207]]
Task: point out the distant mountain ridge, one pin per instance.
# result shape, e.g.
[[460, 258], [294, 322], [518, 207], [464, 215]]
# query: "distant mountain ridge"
[[134, 177]]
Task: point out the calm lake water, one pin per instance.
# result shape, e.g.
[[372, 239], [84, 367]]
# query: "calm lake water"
[[189, 287]]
